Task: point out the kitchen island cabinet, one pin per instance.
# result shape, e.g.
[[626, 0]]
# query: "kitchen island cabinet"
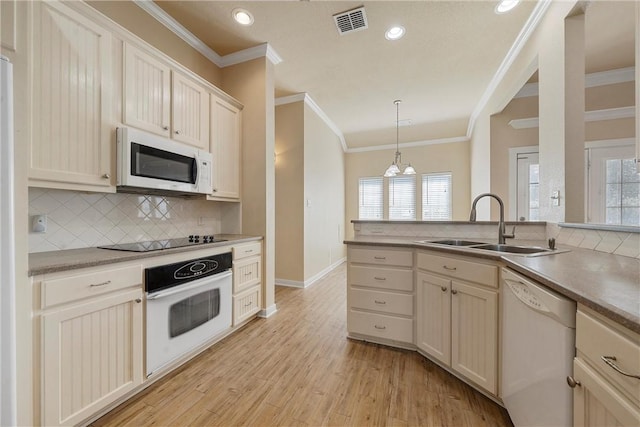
[[380, 295], [91, 351], [602, 395], [457, 320]]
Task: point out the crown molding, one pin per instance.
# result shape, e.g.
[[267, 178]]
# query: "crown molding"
[[179, 30], [589, 116], [519, 43], [602, 78], [260, 51], [306, 98], [409, 144], [263, 50]]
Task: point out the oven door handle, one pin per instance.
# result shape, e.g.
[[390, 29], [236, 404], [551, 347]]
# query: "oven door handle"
[[179, 289]]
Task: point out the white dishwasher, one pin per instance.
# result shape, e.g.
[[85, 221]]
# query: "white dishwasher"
[[538, 346]]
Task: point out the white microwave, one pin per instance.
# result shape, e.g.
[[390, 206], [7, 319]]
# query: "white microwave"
[[148, 163]]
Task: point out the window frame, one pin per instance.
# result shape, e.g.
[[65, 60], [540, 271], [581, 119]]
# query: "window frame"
[[449, 174]]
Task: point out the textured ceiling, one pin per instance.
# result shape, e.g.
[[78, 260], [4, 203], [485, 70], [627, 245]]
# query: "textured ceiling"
[[440, 69]]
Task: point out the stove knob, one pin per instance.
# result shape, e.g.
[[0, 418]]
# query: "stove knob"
[[191, 237], [205, 239], [197, 238]]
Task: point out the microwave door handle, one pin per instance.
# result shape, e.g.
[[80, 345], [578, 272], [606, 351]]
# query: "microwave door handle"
[[194, 172]]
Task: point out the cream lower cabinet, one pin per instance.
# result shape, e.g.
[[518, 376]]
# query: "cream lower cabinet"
[[603, 396], [247, 281], [457, 316], [91, 347], [380, 295]]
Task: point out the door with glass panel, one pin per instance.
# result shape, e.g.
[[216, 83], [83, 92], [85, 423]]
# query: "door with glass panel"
[[528, 183]]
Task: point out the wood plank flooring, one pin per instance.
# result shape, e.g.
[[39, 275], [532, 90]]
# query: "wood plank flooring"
[[297, 368]]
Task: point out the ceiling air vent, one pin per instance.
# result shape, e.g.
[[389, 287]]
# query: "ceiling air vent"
[[351, 20]]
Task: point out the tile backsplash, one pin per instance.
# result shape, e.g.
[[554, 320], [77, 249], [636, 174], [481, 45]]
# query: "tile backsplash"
[[612, 242], [80, 220]]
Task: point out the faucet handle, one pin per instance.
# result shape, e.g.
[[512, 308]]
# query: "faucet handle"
[[512, 235]]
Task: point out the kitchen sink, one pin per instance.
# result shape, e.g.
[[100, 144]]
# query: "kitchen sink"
[[513, 249], [455, 242]]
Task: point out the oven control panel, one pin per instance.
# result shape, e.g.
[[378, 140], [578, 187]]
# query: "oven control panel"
[[170, 275]]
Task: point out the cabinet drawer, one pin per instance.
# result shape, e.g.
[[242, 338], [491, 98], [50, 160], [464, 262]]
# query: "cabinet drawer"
[[595, 339], [454, 267], [77, 287], [381, 326], [246, 304], [387, 302], [244, 251], [379, 277], [246, 273], [386, 256]]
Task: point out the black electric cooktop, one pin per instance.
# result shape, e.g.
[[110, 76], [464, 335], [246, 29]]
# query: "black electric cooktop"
[[158, 245]]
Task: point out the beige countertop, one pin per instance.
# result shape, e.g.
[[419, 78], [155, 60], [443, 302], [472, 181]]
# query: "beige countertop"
[[49, 262], [609, 284]]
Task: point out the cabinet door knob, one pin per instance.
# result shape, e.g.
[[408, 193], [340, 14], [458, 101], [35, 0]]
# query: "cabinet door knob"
[[165, 127], [444, 288], [177, 132], [138, 300], [573, 382], [106, 176], [453, 291]]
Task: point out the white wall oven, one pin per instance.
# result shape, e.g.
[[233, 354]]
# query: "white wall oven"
[[188, 304], [150, 163]]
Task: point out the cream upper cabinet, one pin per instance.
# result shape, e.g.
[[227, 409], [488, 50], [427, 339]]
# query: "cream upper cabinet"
[[71, 104], [147, 92], [164, 101], [457, 321], [225, 147]]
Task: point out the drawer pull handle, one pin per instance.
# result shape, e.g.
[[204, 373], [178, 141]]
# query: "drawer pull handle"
[[248, 304], [248, 273], [380, 278], [248, 251], [93, 285], [609, 361], [573, 382], [379, 257], [379, 327], [449, 268], [380, 302], [453, 291], [444, 288]]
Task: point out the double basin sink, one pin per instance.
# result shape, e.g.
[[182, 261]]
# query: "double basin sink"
[[509, 249]]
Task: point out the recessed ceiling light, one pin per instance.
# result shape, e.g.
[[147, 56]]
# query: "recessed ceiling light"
[[395, 33], [506, 5], [242, 16]]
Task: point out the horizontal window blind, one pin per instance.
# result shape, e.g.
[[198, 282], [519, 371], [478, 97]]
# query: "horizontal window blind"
[[402, 197], [370, 205], [436, 197]]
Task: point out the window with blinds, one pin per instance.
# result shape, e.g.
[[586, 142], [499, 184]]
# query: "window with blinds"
[[402, 197], [370, 205], [436, 197]]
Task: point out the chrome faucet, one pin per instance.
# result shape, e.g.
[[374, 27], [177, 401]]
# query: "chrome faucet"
[[501, 226]]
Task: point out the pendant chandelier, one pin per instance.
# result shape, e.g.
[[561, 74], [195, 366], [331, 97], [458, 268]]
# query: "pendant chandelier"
[[397, 165]]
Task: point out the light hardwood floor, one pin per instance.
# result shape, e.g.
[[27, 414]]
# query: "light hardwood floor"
[[297, 368]]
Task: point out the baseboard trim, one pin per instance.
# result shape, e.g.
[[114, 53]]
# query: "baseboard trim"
[[268, 312], [310, 281]]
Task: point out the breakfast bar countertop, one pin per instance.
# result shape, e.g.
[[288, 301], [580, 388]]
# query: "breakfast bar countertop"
[[607, 283], [71, 259]]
